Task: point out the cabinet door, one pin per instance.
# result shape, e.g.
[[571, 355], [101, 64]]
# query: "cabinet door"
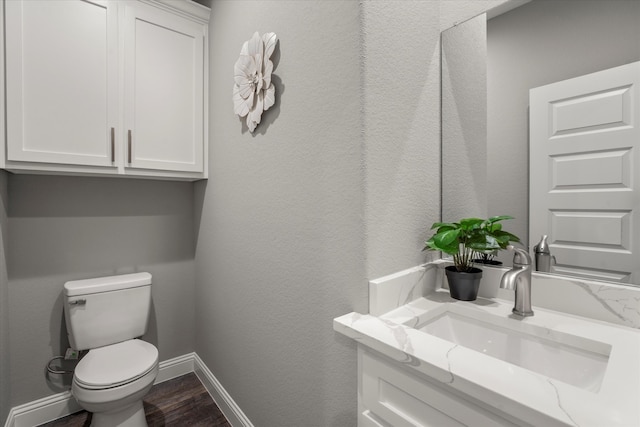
[[164, 90], [391, 396], [61, 76]]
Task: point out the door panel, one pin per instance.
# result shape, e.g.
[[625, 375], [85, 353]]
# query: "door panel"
[[62, 81], [164, 90], [584, 185]]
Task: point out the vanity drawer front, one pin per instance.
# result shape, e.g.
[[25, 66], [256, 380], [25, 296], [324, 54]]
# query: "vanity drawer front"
[[389, 396]]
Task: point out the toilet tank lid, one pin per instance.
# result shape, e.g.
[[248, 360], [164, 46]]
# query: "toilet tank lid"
[[106, 284]]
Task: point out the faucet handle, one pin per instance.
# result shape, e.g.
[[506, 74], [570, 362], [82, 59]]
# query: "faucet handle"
[[520, 256]]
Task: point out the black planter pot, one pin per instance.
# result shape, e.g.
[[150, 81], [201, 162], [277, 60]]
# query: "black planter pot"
[[487, 262], [463, 285]]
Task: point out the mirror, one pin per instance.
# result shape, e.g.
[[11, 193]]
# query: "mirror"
[[488, 68]]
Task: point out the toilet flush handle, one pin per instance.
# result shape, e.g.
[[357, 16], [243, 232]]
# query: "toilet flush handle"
[[78, 302]]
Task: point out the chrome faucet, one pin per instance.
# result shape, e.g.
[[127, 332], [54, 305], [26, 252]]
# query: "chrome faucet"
[[544, 259], [519, 278]]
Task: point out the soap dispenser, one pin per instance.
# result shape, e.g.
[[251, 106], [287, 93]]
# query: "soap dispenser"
[[543, 255]]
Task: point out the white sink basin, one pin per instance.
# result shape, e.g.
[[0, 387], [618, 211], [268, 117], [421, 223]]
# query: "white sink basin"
[[551, 369], [574, 360]]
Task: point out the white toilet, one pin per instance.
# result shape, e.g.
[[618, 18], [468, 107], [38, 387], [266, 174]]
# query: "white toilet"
[[106, 316]]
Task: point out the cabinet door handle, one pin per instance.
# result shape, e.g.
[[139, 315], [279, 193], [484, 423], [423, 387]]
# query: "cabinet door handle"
[[113, 145], [129, 146]]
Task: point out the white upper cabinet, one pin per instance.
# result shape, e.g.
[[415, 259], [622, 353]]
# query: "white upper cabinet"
[[106, 87], [62, 88], [164, 90]]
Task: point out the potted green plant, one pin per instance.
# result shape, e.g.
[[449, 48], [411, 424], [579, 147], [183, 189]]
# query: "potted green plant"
[[465, 240]]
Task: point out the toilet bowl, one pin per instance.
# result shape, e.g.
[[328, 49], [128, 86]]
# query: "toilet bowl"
[[111, 381], [106, 316]]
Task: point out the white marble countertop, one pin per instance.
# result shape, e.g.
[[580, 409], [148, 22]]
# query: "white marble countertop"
[[524, 394]]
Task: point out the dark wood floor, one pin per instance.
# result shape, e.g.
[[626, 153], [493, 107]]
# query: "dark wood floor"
[[182, 401]]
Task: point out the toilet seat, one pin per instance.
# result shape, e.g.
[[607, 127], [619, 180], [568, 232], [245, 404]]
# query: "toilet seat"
[[117, 364]]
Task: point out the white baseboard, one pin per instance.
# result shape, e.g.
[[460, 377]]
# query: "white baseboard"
[[227, 405], [42, 410], [62, 404], [175, 367]]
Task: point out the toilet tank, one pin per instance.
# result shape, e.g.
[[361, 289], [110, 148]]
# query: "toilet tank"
[[107, 310]]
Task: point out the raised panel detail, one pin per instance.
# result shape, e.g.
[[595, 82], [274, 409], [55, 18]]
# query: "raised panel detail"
[[164, 91], [61, 81], [603, 229], [172, 70], [389, 396], [592, 170], [593, 111], [410, 408]]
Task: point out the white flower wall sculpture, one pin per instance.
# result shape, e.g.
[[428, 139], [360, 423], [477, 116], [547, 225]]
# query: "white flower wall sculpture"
[[253, 91]]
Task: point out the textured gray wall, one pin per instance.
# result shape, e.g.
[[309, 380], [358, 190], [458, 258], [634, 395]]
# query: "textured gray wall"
[[401, 119], [66, 228], [338, 186], [280, 249], [5, 384]]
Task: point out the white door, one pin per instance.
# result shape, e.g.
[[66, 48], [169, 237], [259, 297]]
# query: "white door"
[[164, 90], [61, 72], [585, 176]]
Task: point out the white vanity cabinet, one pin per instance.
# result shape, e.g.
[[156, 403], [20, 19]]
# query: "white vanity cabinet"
[[389, 395], [106, 87], [437, 361]]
